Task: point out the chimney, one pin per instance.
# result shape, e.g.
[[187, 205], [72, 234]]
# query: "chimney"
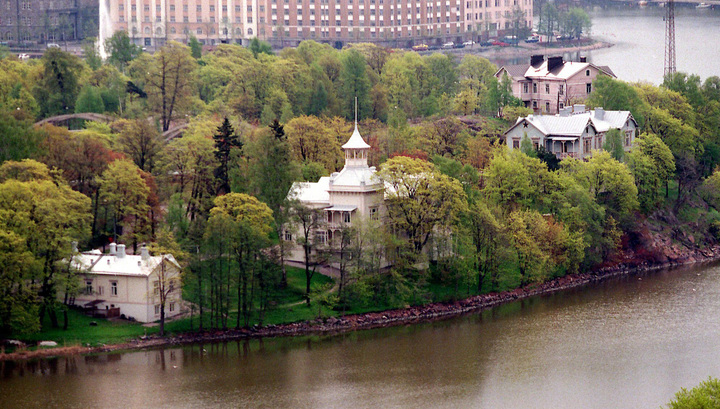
[[579, 108], [599, 113], [554, 62], [536, 60], [565, 111], [113, 249], [120, 251], [144, 253], [583, 58]]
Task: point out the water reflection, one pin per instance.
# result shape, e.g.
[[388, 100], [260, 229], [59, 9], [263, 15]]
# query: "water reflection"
[[631, 342]]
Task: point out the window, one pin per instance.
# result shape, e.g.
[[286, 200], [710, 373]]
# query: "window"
[[172, 306], [157, 309], [547, 107], [586, 146], [588, 87], [346, 217], [534, 87], [373, 213], [547, 88], [587, 73], [628, 136], [516, 144], [156, 287], [534, 104], [526, 88], [561, 89], [321, 237], [88, 287], [288, 236], [100, 290]]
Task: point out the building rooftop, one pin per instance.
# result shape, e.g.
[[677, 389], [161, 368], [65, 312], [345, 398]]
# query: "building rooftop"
[[574, 124], [96, 262], [356, 141]]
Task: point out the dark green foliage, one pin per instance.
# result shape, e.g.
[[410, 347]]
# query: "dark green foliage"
[[121, 50], [226, 140], [260, 47], [90, 100], [195, 47], [58, 86], [552, 162], [18, 140], [356, 84]]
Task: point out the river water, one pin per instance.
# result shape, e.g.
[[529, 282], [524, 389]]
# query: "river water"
[[629, 342], [639, 38]]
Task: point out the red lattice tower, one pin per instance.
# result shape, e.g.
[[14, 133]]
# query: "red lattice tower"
[[670, 37]]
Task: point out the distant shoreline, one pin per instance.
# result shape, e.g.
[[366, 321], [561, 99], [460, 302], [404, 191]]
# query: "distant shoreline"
[[527, 50], [388, 318]]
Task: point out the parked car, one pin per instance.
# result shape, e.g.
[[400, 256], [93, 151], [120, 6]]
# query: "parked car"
[[510, 40], [469, 43], [532, 39], [499, 43], [53, 45], [433, 47], [486, 43], [459, 45], [448, 45], [420, 47]]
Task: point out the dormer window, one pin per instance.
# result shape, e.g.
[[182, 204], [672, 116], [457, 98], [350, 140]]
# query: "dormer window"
[[587, 73]]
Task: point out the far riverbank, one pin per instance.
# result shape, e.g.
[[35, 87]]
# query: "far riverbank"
[[388, 318]]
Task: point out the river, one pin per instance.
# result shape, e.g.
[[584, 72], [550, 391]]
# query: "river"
[[629, 342], [639, 38]]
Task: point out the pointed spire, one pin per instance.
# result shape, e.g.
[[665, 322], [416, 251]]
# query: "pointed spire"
[[355, 112]]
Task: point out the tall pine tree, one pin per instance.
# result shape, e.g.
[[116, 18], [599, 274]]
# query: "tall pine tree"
[[225, 141]]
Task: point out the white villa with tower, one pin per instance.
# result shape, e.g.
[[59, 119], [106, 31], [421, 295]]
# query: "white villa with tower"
[[353, 194]]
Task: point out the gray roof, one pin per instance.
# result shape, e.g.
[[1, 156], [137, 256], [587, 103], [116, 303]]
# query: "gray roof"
[[563, 71], [575, 124], [516, 71]]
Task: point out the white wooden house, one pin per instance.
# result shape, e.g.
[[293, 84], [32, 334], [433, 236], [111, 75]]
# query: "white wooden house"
[[128, 284]]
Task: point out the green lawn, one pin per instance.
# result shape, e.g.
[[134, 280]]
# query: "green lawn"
[[80, 332]]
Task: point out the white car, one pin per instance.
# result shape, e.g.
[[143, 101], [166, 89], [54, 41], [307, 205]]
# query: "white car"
[[53, 45], [468, 43], [448, 45]]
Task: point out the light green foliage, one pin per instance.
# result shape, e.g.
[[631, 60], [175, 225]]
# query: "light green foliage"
[[312, 140], [652, 165], [421, 199], [608, 181], [711, 190], [140, 140], [614, 144], [39, 218], [169, 80], [16, 83], [124, 192], [704, 396], [612, 94]]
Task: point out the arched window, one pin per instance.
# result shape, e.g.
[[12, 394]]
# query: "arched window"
[[147, 30], [250, 32], [238, 31], [158, 31], [199, 30], [172, 30]]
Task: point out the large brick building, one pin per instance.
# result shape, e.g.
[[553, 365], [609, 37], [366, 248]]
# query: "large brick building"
[[287, 22], [32, 22]]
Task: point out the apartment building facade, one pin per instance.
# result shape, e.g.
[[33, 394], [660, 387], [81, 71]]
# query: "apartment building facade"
[[28, 22], [151, 23]]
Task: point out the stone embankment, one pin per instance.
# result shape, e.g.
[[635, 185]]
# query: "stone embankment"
[[410, 315]]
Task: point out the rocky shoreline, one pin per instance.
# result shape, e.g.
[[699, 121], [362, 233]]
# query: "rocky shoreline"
[[389, 318]]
